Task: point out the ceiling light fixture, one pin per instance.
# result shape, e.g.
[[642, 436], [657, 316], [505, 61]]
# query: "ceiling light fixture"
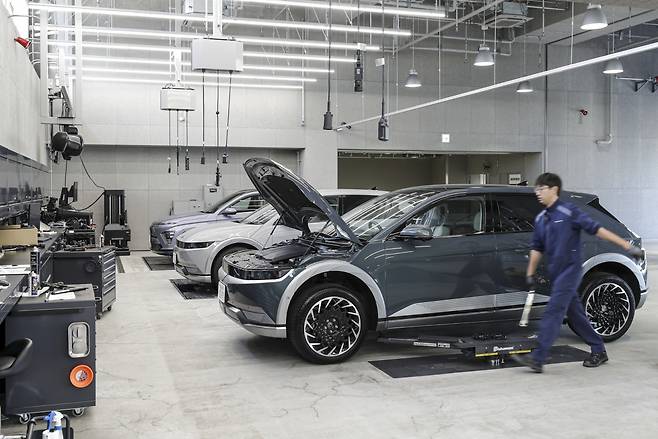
[[226, 20], [402, 12], [159, 83], [613, 67], [594, 18], [246, 54], [484, 58], [524, 87], [412, 79], [163, 62], [194, 74], [191, 36]]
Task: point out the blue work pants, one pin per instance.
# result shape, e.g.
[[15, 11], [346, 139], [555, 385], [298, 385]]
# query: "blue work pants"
[[565, 301]]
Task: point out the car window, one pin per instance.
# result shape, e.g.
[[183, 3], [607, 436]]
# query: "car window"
[[349, 202], [261, 216], [249, 204], [453, 217], [516, 213]]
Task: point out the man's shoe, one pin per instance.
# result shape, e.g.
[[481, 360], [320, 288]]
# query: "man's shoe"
[[528, 361], [596, 359]]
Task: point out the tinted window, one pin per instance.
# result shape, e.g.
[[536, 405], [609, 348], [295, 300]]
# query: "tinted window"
[[249, 204], [517, 213], [349, 202], [457, 216]]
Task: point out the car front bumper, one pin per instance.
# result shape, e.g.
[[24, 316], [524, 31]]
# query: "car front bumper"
[[158, 244], [245, 312], [191, 263]]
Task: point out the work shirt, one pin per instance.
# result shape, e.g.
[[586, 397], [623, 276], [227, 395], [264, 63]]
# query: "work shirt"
[[557, 236]]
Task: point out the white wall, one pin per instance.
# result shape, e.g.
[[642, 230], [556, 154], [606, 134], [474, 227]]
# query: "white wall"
[[20, 128], [623, 173]]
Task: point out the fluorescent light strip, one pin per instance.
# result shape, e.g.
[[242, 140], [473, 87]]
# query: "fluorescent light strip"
[[402, 12], [226, 20], [195, 74], [162, 62], [208, 83], [190, 36], [247, 54]]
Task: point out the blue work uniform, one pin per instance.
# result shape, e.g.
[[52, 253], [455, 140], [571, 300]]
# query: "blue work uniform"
[[557, 236]]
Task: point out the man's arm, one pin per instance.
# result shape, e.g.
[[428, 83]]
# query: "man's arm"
[[535, 257], [607, 235]]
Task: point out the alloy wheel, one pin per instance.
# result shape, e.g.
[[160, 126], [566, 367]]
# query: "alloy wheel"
[[608, 308], [332, 326]]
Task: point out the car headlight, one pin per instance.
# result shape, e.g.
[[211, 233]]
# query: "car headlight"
[[168, 235], [181, 244]]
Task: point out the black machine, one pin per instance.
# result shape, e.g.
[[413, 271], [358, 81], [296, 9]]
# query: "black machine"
[[96, 266], [116, 231], [60, 373], [79, 224]]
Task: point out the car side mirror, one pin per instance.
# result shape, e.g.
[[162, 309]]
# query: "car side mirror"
[[229, 211], [416, 231]]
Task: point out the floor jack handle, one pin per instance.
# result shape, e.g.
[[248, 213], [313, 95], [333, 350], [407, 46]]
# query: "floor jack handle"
[[526, 308]]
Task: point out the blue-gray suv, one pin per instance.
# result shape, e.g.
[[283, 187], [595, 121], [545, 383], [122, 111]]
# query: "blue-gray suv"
[[416, 257]]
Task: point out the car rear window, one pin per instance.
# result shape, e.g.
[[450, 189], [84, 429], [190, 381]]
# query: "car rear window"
[[597, 205]]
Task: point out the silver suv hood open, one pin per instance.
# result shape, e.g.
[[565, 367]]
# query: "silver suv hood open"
[[294, 199]]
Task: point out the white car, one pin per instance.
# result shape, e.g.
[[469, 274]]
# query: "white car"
[[199, 252]]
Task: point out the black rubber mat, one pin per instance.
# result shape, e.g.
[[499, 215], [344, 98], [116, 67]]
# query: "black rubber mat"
[[158, 262], [120, 265], [192, 290], [457, 363]]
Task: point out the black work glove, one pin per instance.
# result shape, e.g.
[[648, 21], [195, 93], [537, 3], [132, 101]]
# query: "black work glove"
[[634, 251], [530, 282]]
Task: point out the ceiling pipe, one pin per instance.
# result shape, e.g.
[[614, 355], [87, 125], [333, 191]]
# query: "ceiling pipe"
[[515, 81], [450, 25]]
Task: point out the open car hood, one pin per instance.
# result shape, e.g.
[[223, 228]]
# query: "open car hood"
[[294, 199]]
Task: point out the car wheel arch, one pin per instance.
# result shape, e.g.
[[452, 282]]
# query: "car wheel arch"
[[335, 271], [617, 268], [228, 245]]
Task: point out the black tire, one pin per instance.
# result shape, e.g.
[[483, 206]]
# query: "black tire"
[[609, 304], [336, 318], [217, 263]]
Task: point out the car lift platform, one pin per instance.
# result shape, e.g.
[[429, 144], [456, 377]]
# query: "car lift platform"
[[492, 347]]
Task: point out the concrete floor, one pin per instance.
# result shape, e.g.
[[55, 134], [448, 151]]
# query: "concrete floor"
[[174, 368]]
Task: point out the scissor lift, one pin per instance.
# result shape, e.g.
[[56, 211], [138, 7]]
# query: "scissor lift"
[[492, 347]]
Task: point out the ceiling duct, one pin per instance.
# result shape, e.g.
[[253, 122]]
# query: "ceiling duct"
[[507, 15]]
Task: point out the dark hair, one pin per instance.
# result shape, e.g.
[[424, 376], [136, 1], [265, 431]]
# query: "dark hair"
[[549, 179]]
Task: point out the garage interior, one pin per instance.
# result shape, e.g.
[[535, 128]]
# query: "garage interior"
[[134, 134]]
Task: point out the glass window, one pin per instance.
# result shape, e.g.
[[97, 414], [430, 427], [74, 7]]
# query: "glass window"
[[375, 215], [454, 217], [350, 202], [261, 216], [516, 213], [249, 204]]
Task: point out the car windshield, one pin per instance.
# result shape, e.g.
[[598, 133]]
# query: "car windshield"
[[214, 207], [261, 216], [377, 214]]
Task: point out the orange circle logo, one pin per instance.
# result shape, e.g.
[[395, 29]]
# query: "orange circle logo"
[[81, 376]]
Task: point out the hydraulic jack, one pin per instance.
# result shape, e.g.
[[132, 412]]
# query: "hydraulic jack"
[[492, 347]]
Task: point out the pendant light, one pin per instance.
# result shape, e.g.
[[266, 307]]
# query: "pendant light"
[[327, 123], [524, 87], [412, 79], [382, 124], [594, 18], [613, 66], [484, 58]]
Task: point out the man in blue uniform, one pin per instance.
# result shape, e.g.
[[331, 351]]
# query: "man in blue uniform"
[[557, 235]]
